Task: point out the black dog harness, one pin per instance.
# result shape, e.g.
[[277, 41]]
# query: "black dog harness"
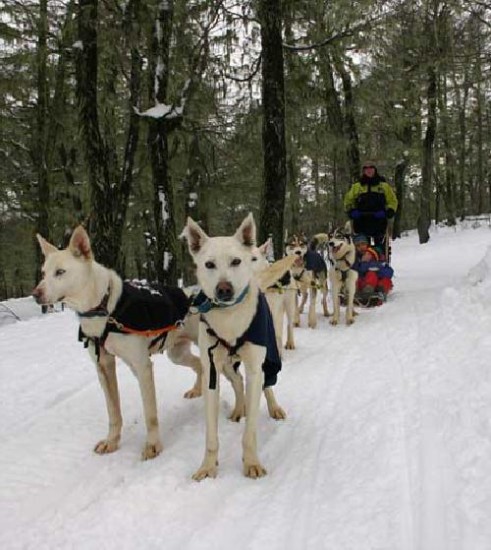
[[260, 332], [344, 272], [281, 285], [146, 311]]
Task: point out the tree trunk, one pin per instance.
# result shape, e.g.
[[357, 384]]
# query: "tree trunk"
[[158, 129], [102, 203], [271, 218], [350, 129], [196, 189], [448, 189], [399, 175], [424, 220], [335, 121], [133, 31], [461, 96], [294, 197], [479, 125], [43, 225]]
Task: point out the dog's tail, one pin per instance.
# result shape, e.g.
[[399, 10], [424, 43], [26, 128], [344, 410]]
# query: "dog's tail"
[[318, 239]]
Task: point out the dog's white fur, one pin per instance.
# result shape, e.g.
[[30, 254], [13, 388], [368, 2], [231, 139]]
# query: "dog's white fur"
[[224, 270], [342, 254], [307, 280], [282, 301], [73, 276]]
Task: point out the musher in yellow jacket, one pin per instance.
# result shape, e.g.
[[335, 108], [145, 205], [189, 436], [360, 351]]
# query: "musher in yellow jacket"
[[370, 202]]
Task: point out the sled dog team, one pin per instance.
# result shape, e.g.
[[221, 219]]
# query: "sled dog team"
[[236, 318]]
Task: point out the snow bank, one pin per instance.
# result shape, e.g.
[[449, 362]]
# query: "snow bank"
[[481, 272], [18, 309]]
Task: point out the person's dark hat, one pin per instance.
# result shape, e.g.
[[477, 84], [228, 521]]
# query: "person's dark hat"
[[360, 238]]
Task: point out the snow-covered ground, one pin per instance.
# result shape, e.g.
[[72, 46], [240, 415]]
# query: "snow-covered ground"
[[387, 445]]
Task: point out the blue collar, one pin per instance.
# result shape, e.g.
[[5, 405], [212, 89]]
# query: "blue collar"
[[202, 304]]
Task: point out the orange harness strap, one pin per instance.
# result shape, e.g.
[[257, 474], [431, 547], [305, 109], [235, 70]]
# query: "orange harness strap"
[[146, 333]]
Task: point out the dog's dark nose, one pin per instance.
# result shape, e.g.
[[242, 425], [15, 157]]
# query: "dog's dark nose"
[[331, 243], [224, 291], [37, 294], [298, 252]]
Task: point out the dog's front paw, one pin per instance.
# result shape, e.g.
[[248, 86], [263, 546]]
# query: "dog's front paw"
[[106, 446], [277, 413], [312, 324], [151, 450], [349, 321], [206, 471], [289, 345], [192, 393], [334, 321], [254, 470]]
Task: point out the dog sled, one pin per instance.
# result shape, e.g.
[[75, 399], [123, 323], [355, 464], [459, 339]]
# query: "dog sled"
[[366, 301]]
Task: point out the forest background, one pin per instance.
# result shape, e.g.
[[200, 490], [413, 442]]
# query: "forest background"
[[128, 116]]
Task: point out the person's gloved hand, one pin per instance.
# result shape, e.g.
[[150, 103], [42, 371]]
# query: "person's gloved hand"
[[389, 213], [379, 214], [354, 214]]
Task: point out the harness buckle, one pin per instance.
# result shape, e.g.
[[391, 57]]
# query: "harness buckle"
[[117, 324]]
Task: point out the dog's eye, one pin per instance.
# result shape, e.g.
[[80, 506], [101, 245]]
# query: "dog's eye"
[[210, 265], [59, 272], [235, 262], [254, 259]]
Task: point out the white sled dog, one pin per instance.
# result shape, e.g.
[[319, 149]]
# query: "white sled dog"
[[310, 271], [342, 276], [235, 323], [103, 303], [281, 294]]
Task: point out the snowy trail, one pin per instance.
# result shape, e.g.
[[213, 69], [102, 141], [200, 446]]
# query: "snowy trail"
[[387, 445]]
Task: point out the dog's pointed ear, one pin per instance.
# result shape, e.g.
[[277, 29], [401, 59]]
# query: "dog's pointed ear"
[[246, 234], [263, 249], [46, 247], [80, 244], [194, 235]]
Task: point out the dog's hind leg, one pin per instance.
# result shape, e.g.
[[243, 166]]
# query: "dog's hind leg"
[[231, 372], [106, 371], [252, 357], [303, 301], [180, 354], [275, 411]]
